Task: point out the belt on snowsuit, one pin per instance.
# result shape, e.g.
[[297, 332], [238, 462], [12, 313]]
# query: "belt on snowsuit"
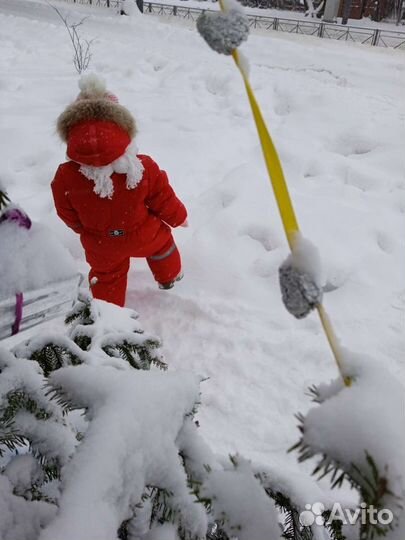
[[116, 232]]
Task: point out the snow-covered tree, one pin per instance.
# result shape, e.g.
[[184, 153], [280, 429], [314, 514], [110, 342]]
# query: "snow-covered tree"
[[98, 441], [357, 435]]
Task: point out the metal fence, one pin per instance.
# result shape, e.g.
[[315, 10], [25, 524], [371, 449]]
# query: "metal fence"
[[98, 3], [358, 34]]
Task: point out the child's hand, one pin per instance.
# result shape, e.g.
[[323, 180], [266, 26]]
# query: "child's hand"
[[184, 224]]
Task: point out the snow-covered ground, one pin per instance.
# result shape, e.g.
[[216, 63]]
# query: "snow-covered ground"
[[337, 114]]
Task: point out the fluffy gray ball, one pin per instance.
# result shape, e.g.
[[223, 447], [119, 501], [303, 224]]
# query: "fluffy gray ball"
[[299, 292], [223, 32]]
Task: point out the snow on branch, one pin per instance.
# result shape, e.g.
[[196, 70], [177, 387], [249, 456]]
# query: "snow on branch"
[[358, 437]]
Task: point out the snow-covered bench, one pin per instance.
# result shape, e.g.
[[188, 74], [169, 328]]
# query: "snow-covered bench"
[[38, 276], [19, 313]]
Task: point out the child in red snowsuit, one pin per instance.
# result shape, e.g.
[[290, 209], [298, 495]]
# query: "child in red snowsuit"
[[120, 202]]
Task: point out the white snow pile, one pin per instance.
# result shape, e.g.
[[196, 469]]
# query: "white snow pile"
[[359, 430], [130, 444], [21, 519], [250, 513], [306, 258], [31, 258]]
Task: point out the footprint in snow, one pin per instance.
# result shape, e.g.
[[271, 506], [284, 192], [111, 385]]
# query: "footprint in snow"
[[353, 144], [384, 242], [227, 198], [335, 279], [261, 234]]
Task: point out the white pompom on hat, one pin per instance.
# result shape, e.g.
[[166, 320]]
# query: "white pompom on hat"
[[93, 86]]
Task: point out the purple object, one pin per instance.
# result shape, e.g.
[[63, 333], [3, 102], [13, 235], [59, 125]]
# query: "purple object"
[[19, 301], [20, 218], [17, 216]]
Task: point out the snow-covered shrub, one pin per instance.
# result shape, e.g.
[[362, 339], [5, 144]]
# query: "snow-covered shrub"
[[38, 435], [136, 464], [107, 446], [101, 326], [37, 426], [98, 333], [358, 432]]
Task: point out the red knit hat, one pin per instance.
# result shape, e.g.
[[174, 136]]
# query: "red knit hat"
[[96, 142]]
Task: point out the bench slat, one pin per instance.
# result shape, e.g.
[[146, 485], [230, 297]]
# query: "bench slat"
[[39, 305]]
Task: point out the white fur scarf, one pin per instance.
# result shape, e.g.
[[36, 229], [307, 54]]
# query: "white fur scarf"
[[127, 164]]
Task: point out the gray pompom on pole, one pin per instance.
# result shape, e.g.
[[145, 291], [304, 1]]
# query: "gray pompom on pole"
[[300, 279], [223, 32], [299, 292]]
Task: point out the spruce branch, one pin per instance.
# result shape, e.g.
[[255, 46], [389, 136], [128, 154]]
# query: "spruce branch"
[[292, 528], [50, 466], [20, 400], [81, 312], [83, 341], [81, 317], [162, 512], [138, 355], [63, 400], [314, 394], [123, 533], [10, 439], [366, 479], [216, 533], [52, 357], [194, 410], [36, 494], [334, 527], [4, 200]]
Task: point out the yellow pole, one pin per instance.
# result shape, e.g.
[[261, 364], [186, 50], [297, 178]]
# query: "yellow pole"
[[284, 202]]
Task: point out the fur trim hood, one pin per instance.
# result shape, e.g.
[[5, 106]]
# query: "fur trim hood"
[[100, 108]]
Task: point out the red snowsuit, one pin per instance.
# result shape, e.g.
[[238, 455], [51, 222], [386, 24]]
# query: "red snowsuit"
[[132, 223]]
